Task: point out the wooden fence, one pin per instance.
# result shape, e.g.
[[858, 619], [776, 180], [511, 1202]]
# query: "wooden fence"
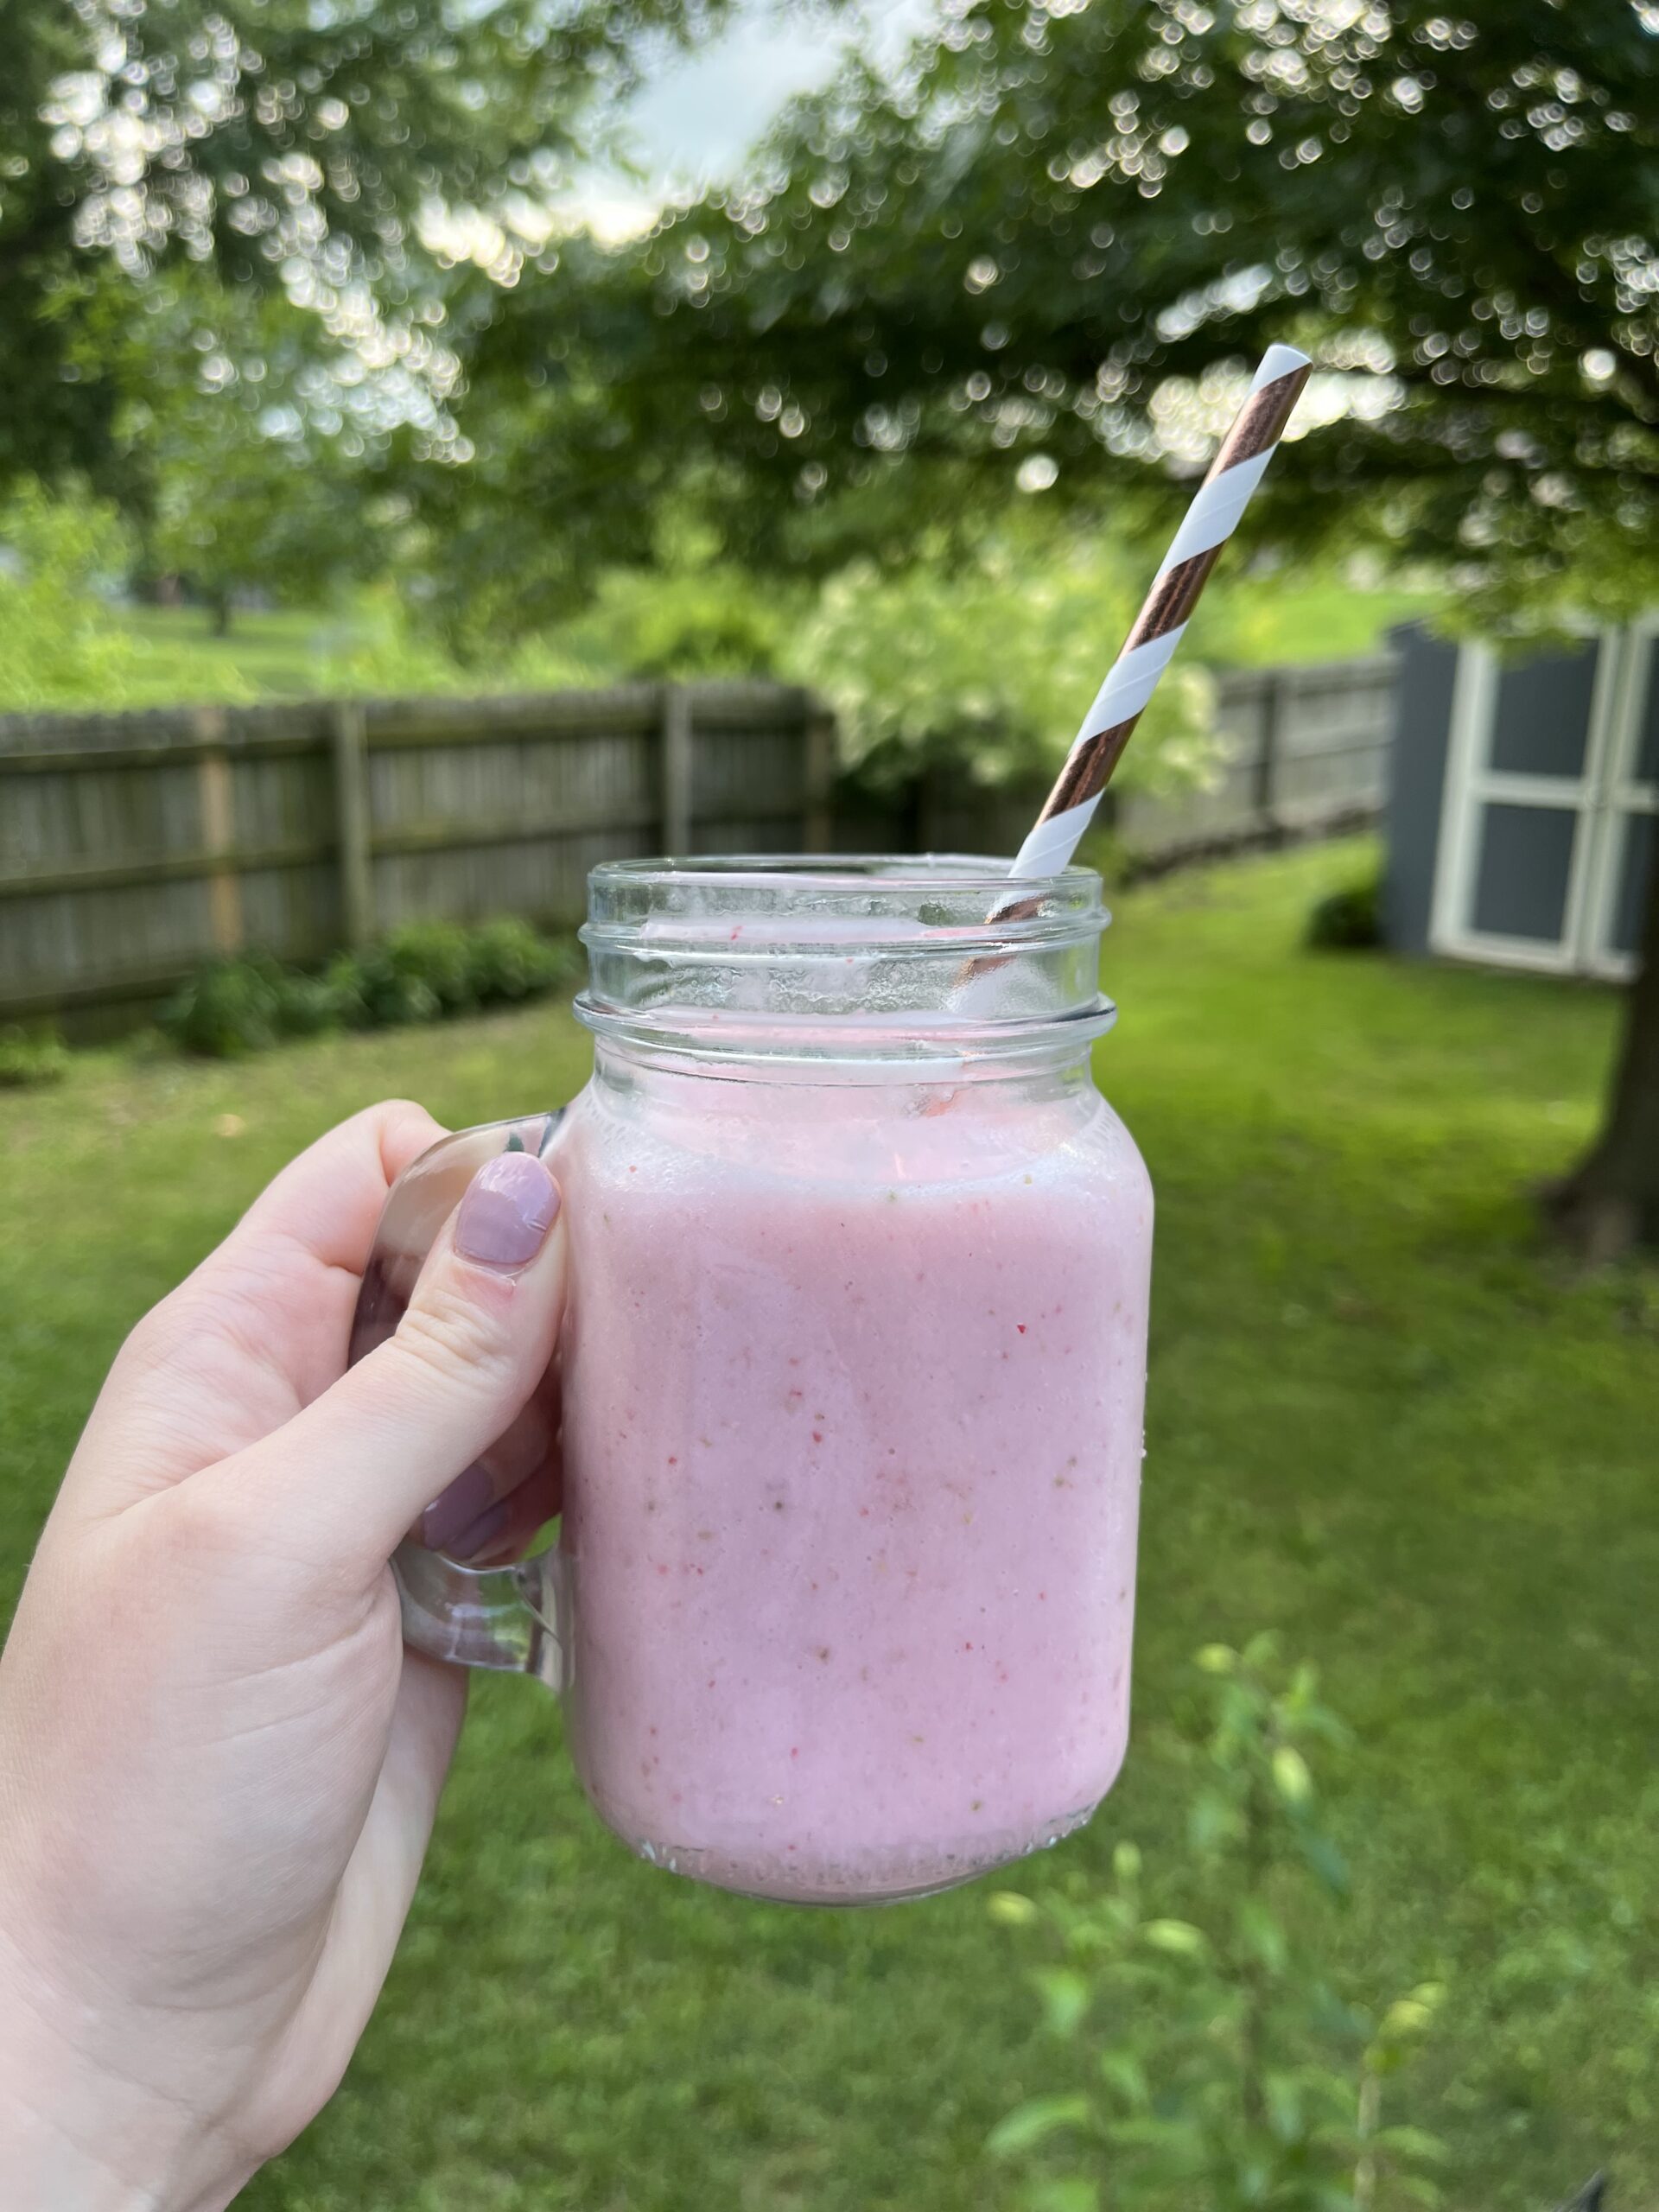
[[1303, 749], [133, 846]]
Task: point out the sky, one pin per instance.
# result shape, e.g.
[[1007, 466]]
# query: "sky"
[[695, 117]]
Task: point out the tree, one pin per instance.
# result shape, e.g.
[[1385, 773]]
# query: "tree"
[[1054, 243], [333, 156], [270, 464]]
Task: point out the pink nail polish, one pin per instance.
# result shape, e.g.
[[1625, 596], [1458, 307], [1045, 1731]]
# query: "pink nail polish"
[[455, 1509], [482, 1533], [510, 1205]]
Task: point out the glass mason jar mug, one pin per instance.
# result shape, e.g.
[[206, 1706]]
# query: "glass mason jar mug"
[[850, 1392]]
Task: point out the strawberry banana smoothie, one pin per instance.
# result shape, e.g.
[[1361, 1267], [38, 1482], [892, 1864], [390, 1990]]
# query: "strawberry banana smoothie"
[[851, 1375], [854, 1382]]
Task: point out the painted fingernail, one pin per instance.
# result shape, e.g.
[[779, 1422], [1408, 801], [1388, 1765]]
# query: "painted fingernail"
[[482, 1533], [510, 1205], [455, 1508]]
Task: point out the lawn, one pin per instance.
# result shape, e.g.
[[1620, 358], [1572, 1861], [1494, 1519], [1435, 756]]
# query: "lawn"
[[283, 653], [293, 653], [1382, 1420]]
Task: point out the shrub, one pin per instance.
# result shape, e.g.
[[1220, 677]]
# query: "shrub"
[[980, 661], [1349, 920], [1205, 2055], [374, 991], [420, 972], [31, 1057], [510, 961], [64, 647], [231, 1006], [438, 959]]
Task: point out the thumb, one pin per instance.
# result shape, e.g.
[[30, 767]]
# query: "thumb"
[[353, 1470]]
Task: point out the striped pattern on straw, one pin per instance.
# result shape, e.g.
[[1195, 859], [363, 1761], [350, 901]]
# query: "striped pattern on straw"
[[1209, 522]]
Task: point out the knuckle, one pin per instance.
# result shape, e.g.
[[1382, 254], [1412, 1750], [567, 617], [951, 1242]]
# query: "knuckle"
[[158, 1342], [402, 1130], [452, 1337], [189, 1543]]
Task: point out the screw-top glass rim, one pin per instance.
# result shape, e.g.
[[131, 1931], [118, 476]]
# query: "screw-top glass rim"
[[859, 960]]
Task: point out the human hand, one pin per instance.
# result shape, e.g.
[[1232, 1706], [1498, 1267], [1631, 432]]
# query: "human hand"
[[218, 1765]]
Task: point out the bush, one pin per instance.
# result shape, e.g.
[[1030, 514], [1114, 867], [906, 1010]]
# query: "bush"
[[980, 662], [64, 647], [28, 1058], [373, 989], [510, 961], [421, 972], [231, 1006], [1349, 920]]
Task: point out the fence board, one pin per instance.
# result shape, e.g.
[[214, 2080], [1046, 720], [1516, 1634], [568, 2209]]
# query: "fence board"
[[134, 845]]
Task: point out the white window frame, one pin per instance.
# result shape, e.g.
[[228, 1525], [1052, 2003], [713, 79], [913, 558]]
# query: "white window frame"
[[1619, 799], [1594, 797]]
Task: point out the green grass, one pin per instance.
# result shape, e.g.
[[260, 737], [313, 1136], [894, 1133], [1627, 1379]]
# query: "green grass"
[[290, 653], [1262, 621], [1383, 1419], [294, 653]]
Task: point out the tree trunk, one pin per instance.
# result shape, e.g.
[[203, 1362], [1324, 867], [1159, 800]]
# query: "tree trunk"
[[221, 607], [1611, 1200]]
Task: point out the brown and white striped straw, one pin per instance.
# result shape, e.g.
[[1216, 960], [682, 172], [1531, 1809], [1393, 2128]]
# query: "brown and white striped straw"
[[1209, 522]]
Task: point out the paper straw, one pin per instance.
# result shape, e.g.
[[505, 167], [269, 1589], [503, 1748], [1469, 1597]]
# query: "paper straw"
[[1208, 523]]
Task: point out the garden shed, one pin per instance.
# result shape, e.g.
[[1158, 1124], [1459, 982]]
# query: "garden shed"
[[1522, 802]]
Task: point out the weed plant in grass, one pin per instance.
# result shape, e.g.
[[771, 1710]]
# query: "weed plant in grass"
[[1384, 1421]]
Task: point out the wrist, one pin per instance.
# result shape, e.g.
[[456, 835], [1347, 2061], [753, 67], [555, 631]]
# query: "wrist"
[[77, 2135]]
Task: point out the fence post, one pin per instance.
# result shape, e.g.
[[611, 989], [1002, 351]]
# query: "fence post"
[[817, 820], [216, 803], [349, 729], [677, 769], [1267, 759]]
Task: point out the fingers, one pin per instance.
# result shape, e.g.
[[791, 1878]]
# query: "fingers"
[[329, 1200], [258, 1329], [505, 1529], [346, 1477], [523, 1453]]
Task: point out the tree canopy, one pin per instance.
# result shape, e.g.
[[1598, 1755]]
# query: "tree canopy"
[[333, 157], [1040, 260]]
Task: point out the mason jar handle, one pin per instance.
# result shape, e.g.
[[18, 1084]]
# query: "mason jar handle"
[[511, 1618]]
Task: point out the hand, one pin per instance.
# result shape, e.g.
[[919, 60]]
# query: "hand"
[[218, 1766]]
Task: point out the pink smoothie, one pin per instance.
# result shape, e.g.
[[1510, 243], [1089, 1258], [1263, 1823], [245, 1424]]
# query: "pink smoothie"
[[852, 1441]]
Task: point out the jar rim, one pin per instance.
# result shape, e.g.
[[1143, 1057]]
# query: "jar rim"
[[966, 872], [862, 957], [740, 906]]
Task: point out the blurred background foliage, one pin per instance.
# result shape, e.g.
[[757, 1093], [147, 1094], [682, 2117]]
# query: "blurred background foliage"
[[323, 306], [366, 314]]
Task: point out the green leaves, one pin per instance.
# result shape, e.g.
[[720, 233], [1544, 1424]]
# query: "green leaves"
[[980, 653], [1046, 257], [63, 647], [423, 972], [1235, 2076], [1065, 1996], [1027, 2124], [1124, 2071], [1177, 1937], [1073, 2194], [1404, 2025], [1260, 1935], [1012, 1909], [1290, 1776]]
